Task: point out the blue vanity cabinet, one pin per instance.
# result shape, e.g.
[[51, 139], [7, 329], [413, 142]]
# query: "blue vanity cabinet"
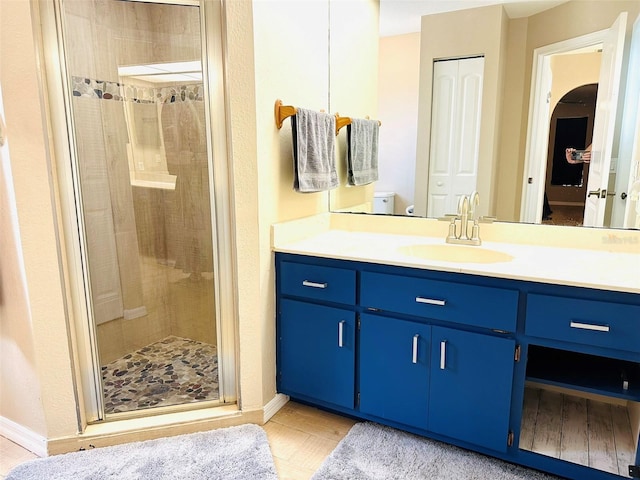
[[471, 385], [471, 366], [316, 328], [394, 364], [317, 352], [471, 360]]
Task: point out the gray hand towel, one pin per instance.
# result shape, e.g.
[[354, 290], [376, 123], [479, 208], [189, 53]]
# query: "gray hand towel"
[[314, 149], [362, 151]]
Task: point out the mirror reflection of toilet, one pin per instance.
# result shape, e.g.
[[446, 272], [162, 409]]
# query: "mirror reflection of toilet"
[[383, 202]]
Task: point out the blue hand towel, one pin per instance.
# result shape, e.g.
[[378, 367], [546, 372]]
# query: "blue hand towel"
[[314, 151], [362, 151]]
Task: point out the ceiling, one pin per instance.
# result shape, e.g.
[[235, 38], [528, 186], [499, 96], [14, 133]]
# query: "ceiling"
[[403, 16]]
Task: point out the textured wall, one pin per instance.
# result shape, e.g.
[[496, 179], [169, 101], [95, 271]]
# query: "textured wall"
[[41, 400]]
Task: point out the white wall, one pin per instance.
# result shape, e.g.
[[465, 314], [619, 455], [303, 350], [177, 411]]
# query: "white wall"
[[37, 391], [21, 404], [304, 55], [399, 81]]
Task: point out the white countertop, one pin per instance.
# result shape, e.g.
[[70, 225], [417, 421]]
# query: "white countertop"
[[547, 264]]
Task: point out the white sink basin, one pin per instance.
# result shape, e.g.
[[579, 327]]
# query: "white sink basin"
[[455, 253]]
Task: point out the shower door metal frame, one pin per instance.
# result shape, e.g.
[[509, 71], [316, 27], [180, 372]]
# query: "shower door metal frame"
[[70, 225]]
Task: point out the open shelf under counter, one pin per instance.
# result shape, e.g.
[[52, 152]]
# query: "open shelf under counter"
[[588, 373], [578, 430]]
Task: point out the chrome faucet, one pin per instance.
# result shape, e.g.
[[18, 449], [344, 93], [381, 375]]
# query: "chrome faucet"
[[466, 211], [463, 212], [474, 201]]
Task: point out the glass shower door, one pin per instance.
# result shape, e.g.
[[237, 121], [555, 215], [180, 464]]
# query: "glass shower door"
[[143, 175]]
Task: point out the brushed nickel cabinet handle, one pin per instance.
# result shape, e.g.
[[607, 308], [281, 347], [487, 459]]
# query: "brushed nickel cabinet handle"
[[431, 301], [308, 283], [414, 358], [341, 333], [589, 326], [443, 354]]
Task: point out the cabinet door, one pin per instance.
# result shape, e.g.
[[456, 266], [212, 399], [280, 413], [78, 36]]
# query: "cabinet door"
[[470, 393], [316, 352], [394, 369]]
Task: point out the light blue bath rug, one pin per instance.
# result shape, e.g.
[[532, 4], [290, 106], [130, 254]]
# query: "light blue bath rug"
[[375, 452], [237, 453]]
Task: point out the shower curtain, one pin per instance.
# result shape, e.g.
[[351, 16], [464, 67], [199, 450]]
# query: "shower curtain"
[[183, 129]]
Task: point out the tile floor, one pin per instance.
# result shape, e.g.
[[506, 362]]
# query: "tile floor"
[[172, 371], [301, 437]]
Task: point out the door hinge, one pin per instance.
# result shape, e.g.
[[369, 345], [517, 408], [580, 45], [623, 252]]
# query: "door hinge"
[[357, 399], [510, 439], [358, 322], [518, 353], [634, 471]]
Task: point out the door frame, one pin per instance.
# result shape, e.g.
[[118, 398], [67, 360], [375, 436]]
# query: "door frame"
[[535, 164]]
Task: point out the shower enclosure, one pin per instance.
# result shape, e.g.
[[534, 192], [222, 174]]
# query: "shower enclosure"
[[143, 172]]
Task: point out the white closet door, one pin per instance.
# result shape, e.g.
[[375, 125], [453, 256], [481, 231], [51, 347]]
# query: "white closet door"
[[455, 133]]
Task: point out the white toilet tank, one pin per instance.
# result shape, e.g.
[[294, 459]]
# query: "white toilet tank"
[[383, 202]]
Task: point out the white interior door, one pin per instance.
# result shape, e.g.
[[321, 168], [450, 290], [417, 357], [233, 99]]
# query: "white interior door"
[[604, 123], [632, 206], [455, 133], [628, 177]]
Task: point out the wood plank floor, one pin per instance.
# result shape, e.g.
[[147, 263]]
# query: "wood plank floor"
[[578, 430], [300, 438]]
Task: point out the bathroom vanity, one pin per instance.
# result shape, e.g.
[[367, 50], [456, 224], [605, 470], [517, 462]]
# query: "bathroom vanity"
[[397, 330]]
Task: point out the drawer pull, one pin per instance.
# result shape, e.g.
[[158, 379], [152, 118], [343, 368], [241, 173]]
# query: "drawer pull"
[[308, 283], [589, 326], [341, 333], [431, 301], [443, 354], [415, 348]]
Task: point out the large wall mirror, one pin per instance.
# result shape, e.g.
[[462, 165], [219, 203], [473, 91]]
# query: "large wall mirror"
[[545, 68]]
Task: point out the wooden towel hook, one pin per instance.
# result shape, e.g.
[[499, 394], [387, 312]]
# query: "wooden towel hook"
[[282, 112], [343, 121]]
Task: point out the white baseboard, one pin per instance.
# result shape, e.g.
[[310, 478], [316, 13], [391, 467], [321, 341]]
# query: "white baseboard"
[[276, 403], [23, 436]]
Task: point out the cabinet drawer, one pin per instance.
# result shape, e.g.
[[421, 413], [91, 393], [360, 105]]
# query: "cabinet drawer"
[[486, 307], [320, 283], [589, 322]]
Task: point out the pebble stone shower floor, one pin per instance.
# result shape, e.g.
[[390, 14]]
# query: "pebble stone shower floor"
[[171, 371]]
